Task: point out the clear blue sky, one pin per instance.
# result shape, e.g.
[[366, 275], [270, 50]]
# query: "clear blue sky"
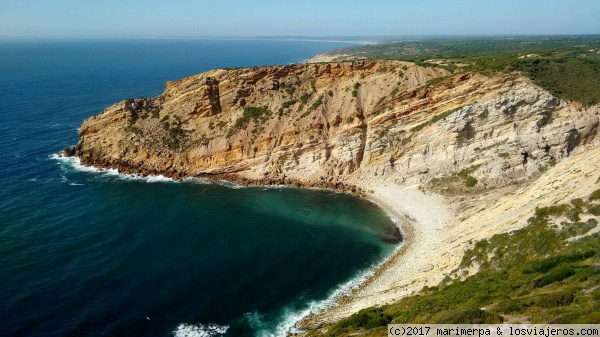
[[163, 18]]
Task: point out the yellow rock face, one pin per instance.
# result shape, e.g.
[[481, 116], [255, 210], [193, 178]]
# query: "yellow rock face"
[[376, 127], [331, 122]]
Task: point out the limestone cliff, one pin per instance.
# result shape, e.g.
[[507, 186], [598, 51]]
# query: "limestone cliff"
[[367, 125], [329, 124]]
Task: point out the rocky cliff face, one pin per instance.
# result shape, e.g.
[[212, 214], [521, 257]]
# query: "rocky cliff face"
[[333, 124], [366, 125]]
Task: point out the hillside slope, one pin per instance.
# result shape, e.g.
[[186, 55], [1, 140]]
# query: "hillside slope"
[[377, 128]]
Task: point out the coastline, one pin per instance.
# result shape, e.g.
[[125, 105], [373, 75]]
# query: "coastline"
[[437, 237], [422, 218], [434, 238]]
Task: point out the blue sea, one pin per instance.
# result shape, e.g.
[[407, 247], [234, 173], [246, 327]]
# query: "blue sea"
[[88, 253]]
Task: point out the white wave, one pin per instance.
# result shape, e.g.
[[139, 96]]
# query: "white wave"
[[290, 318], [200, 330], [75, 163], [229, 184], [155, 179]]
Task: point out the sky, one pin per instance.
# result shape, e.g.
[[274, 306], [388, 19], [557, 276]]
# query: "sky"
[[188, 18]]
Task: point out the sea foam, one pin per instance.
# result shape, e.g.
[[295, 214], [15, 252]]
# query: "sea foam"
[[75, 163], [290, 318], [200, 330]]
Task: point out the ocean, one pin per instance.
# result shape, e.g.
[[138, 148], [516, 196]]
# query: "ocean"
[[85, 252]]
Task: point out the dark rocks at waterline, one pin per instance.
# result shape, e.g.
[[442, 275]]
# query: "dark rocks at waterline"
[[395, 236]]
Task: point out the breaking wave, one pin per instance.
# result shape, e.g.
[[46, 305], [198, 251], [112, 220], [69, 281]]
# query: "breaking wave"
[[200, 330]]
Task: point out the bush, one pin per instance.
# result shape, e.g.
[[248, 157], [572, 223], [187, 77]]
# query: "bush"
[[558, 299], [595, 195], [470, 181], [547, 264], [316, 104], [554, 276], [369, 318], [512, 306], [304, 98], [470, 316], [250, 114]]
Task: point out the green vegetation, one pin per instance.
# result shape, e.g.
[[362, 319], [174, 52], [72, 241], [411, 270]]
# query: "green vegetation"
[[567, 66], [355, 89], [174, 137], [437, 80], [575, 77], [316, 104], [455, 183], [140, 109], [465, 174], [222, 125], [304, 98], [251, 114], [289, 103], [174, 132], [529, 274], [286, 105]]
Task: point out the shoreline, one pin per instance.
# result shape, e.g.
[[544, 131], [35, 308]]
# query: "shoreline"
[[421, 218], [407, 207]]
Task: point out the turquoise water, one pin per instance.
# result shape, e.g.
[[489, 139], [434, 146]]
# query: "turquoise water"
[[87, 253]]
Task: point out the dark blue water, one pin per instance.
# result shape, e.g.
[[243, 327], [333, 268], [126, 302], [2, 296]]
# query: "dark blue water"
[[86, 253]]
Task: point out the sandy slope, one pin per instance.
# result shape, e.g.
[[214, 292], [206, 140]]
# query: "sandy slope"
[[439, 231]]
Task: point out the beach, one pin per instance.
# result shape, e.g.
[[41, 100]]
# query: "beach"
[[440, 229]]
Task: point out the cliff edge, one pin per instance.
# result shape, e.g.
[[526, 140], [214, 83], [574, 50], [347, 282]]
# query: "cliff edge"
[[386, 129]]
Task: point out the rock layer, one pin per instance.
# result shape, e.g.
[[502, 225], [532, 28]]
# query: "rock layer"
[[347, 125], [329, 122]]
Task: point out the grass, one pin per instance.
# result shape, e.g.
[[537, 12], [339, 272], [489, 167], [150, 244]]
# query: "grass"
[[531, 273], [562, 65]]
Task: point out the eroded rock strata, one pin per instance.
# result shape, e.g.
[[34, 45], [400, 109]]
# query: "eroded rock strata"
[[316, 123], [348, 126]]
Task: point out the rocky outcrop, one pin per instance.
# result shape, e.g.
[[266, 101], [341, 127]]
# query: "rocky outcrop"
[[335, 122], [350, 125]]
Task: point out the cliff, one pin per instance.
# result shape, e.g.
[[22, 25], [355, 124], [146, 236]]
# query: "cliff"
[[332, 122], [359, 125]]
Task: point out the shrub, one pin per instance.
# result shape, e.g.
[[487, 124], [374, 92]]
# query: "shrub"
[[512, 305], [367, 318], [557, 299], [304, 98], [470, 181], [595, 195], [316, 104], [470, 316], [554, 276], [250, 114]]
